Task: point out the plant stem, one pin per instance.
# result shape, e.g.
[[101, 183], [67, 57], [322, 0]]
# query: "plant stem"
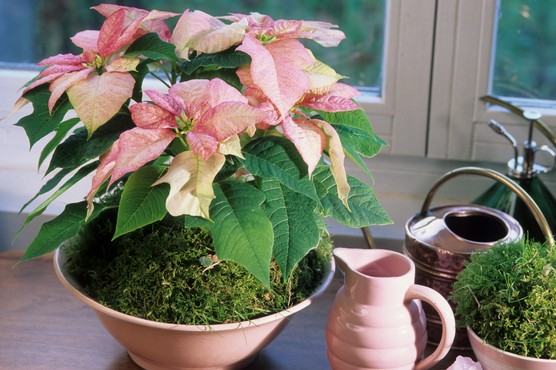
[[160, 79]]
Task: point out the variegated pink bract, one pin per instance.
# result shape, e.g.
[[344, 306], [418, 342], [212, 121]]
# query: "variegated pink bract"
[[205, 34], [92, 94], [282, 72], [265, 28], [285, 74], [205, 113]]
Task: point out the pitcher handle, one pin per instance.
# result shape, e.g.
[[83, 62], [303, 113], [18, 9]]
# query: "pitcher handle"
[[439, 303]]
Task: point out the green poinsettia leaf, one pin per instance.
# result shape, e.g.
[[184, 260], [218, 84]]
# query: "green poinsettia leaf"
[[364, 208], [48, 186], [220, 65], [296, 230], [61, 132], [77, 149], [358, 143], [151, 46], [364, 143], [353, 118], [56, 231], [357, 135], [213, 62], [240, 229], [275, 157], [40, 122], [141, 203], [194, 221], [227, 75], [139, 75], [84, 171]]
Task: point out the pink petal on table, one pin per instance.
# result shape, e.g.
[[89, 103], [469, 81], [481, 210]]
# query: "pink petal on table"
[[465, 363]]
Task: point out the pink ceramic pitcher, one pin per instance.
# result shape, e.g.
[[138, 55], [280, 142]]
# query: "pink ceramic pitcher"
[[376, 320]]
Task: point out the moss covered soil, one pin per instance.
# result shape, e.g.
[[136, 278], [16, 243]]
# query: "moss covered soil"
[[508, 297], [168, 273]]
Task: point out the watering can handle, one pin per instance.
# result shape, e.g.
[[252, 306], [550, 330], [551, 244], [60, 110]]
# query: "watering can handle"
[[486, 172]]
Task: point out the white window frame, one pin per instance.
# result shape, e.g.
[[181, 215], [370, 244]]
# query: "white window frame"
[[463, 62], [400, 114]]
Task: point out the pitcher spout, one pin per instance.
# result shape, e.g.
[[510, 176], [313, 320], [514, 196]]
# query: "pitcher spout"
[[372, 276]]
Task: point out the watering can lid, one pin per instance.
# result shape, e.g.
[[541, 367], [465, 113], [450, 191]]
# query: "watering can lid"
[[461, 229]]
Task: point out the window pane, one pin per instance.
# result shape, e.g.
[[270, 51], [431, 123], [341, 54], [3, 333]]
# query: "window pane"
[[525, 55], [44, 27]]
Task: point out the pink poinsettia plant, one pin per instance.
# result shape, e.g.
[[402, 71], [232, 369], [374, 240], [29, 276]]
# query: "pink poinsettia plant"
[[246, 135]]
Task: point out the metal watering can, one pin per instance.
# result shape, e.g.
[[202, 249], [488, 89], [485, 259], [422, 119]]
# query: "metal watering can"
[[439, 240]]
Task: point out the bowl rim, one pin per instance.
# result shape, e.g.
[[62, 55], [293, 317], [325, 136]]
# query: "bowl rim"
[[72, 286], [474, 338]]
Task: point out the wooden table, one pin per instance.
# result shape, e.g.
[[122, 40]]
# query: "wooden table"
[[42, 326]]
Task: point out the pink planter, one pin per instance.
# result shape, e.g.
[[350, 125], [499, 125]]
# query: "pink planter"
[[492, 358], [154, 345]]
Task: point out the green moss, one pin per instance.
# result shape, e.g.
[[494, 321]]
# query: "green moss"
[[508, 296], [168, 273]]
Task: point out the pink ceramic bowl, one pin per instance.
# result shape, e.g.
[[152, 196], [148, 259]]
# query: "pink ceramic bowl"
[[492, 358], [154, 345]]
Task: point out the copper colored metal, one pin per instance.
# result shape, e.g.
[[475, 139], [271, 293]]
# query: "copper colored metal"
[[440, 240]]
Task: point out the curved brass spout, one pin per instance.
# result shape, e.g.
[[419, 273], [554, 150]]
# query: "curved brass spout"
[[541, 125], [486, 172]]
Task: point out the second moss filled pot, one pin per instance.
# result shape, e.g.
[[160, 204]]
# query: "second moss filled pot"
[[202, 345], [506, 297], [492, 358]]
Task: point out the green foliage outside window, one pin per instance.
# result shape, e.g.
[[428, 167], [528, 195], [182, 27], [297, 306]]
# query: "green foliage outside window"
[[525, 60], [359, 56]]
